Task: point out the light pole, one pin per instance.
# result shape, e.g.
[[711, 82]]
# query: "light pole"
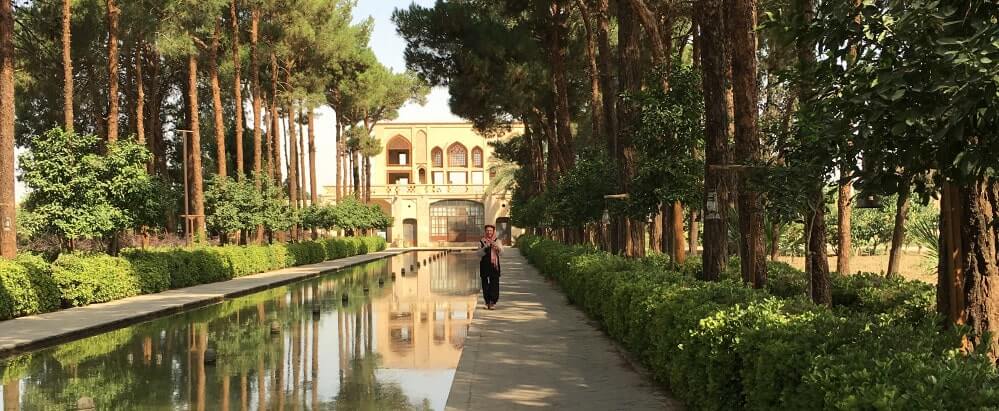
[[188, 218]]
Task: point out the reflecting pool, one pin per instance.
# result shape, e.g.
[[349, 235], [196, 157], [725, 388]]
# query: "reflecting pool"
[[386, 335]]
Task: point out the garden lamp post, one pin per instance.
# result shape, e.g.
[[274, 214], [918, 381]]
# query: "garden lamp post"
[[188, 218]]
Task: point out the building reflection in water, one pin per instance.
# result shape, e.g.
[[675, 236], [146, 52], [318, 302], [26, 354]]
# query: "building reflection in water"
[[361, 338]]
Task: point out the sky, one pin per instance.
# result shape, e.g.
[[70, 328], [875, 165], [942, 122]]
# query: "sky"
[[389, 48]]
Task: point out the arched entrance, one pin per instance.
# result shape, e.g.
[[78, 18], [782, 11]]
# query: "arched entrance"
[[409, 232], [503, 230], [456, 221]]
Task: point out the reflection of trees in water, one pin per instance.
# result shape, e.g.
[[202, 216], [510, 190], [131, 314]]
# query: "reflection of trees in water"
[[361, 390], [160, 364]]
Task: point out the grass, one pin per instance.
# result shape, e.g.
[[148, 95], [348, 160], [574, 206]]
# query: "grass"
[[915, 265]]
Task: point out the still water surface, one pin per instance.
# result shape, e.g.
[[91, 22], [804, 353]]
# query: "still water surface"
[[357, 339]]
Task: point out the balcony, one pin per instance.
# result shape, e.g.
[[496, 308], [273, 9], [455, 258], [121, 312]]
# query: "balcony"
[[416, 190]]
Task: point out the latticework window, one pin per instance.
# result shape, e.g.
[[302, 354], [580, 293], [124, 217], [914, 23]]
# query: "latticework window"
[[437, 156], [477, 157], [457, 156]]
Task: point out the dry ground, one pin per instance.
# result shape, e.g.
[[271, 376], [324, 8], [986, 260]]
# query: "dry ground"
[[914, 265]]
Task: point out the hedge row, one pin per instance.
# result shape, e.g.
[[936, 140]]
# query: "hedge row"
[[723, 346], [29, 285]]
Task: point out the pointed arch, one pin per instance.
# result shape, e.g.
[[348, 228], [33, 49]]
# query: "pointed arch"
[[399, 151], [478, 159], [437, 157], [457, 155]]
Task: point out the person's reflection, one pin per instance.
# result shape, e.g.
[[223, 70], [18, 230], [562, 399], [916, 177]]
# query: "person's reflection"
[[12, 395]]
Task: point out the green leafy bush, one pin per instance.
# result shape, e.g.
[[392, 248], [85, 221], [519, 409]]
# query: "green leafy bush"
[[339, 248], [26, 287], [154, 270], [374, 243], [29, 285], [306, 252], [89, 279], [723, 346]]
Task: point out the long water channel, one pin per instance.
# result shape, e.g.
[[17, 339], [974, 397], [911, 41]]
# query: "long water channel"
[[368, 337]]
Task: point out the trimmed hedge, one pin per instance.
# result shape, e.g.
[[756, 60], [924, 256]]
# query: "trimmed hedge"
[[26, 287], [88, 279], [351, 246], [29, 285], [723, 346]]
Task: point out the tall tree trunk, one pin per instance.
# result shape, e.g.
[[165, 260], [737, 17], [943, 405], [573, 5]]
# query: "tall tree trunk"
[[818, 263], [357, 175], [607, 81], [676, 225], [629, 67], [367, 179], [714, 66], [140, 99], [741, 29], [659, 241], [340, 172], [966, 294], [257, 103], [775, 241], [155, 108], [694, 231], [194, 151], [8, 207], [67, 64], [276, 127], [292, 160], [255, 78], [843, 226], [596, 95], [213, 72], [563, 118], [301, 158], [845, 200], [268, 142], [898, 234], [312, 157], [237, 89], [113, 14], [275, 132], [312, 166], [660, 40]]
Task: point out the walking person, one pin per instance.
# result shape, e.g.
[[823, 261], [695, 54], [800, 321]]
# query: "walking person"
[[490, 249]]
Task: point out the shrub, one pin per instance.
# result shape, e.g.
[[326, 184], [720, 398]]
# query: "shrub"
[[306, 252], [26, 287], [88, 279], [29, 285], [720, 345], [152, 268], [373, 243], [336, 248]]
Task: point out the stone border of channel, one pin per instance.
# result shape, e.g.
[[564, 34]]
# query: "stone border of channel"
[[30, 333]]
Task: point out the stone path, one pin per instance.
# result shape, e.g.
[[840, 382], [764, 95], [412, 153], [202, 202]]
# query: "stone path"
[[26, 333], [537, 351]]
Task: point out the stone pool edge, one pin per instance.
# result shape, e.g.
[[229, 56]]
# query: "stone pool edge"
[[34, 332]]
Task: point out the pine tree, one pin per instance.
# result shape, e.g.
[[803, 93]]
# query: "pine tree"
[[67, 63], [8, 208]]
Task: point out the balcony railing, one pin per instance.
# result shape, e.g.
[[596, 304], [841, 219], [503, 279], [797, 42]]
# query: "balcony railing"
[[428, 189]]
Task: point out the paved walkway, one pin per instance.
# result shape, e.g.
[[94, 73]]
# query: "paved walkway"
[[34, 331], [537, 351]]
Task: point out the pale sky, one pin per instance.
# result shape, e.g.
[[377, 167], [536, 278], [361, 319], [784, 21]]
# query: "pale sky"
[[388, 47]]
